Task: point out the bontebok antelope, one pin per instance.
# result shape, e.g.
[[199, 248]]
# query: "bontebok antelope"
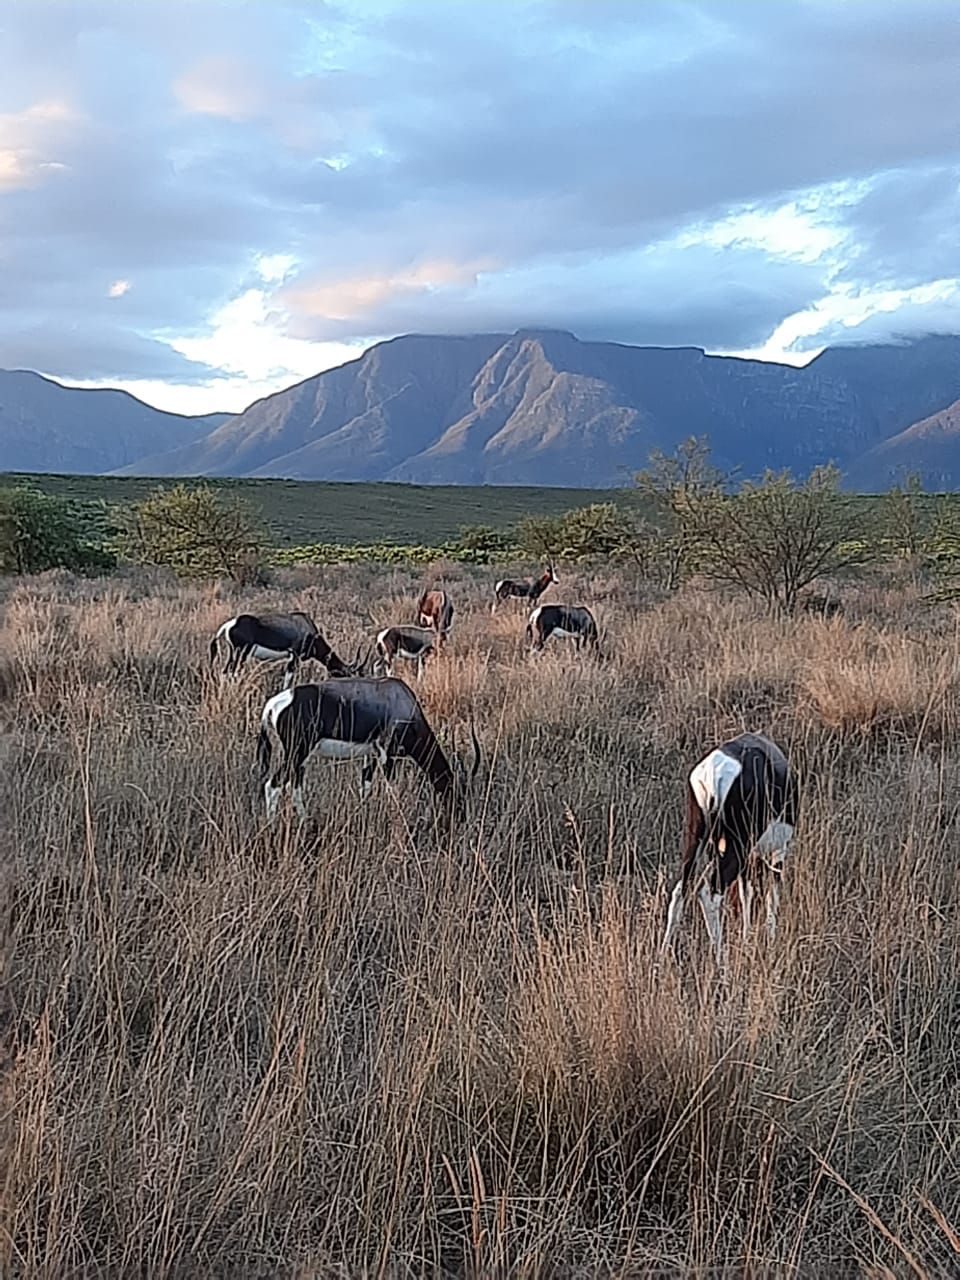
[[273, 636], [529, 589], [742, 806], [376, 721], [562, 620], [415, 644], [435, 609]]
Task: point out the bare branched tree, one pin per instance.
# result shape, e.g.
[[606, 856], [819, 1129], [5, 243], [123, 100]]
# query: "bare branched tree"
[[677, 487], [774, 537]]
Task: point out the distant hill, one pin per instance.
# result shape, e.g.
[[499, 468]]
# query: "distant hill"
[[930, 448], [47, 427], [535, 407]]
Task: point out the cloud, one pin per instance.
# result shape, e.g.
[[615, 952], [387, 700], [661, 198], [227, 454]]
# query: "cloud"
[[30, 143], [711, 172], [344, 304], [226, 87]]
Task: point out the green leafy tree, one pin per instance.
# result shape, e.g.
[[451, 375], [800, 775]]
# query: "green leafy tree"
[[541, 536], [197, 532], [775, 537], [484, 541], [39, 532], [594, 531]]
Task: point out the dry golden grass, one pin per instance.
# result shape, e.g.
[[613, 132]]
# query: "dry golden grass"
[[367, 1048]]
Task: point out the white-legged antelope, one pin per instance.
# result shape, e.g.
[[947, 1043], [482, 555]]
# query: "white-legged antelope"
[[273, 636], [412, 644], [375, 721], [563, 620], [742, 806], [435, 610], [528, 589]]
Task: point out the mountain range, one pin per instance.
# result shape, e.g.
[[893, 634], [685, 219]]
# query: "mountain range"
[[47, 427], [532, 407]]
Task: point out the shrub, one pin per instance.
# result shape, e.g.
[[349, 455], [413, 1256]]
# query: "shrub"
[[198, 532], [775, 537], [40, 532]]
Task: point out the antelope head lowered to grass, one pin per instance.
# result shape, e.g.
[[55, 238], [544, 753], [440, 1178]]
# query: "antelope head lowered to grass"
[[414, 644], [272, 636], [373, 720], [527, 589], [565, 620], [742, 806]]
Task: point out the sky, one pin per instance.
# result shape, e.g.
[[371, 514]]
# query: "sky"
[[204, 202]]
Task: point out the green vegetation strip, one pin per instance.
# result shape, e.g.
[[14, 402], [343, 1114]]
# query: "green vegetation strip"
[[307, 513]]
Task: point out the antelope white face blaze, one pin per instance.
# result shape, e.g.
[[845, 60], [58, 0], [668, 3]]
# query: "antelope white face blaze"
[[774, 844]]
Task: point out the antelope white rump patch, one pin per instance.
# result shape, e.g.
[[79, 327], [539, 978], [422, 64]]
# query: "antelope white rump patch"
[[279, 702], [712, 779]]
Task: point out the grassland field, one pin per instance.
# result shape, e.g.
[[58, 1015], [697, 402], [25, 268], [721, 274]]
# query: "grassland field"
[[368, 1046], [300, 512]]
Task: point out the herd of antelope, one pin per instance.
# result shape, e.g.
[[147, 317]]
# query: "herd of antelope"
[[742, 799]]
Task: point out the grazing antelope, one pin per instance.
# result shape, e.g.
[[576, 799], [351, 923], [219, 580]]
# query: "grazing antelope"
[[413, 643], [527, 590], [562, 620], [376, 721], [272, 636], [435, 609], [742, 807]]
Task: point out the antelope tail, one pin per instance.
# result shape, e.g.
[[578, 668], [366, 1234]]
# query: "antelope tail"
[[213, 649]]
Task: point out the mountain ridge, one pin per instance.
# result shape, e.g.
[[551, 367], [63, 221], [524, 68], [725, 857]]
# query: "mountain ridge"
[[541, 407], [45, 426], [537, 407]]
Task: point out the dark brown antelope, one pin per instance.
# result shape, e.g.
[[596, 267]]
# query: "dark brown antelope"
[[528, 589], [742, 807], [415, 644], [435, 609], [376, 721], [273, 636], [565, 620]]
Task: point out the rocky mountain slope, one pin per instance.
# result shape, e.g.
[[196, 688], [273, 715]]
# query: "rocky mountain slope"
[[931, 448], [47, 427], [534, 407], [541, 407]]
